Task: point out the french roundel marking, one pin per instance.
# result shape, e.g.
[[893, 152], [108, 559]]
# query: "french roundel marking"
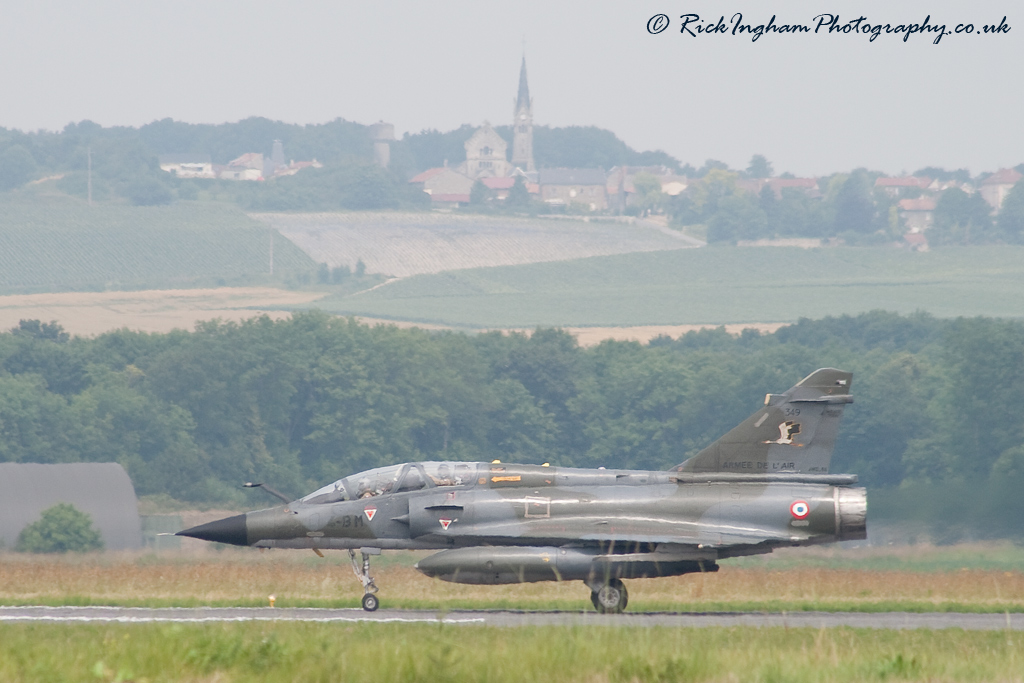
[[800, 509]]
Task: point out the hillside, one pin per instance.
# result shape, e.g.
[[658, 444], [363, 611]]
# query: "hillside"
[[712, 285], [403, 244], [57, 244]]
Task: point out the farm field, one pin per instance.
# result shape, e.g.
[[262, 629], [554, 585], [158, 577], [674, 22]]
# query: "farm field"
[[713, 285], [227, 653], [163, 310], [404, 244], [59, 244], [961, 578]]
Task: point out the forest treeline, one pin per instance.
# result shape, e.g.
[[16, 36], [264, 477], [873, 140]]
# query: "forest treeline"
[[125, 166], [300, 402]]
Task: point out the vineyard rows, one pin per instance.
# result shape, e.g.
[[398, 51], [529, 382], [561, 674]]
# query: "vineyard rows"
[[400, 245], [64, 245]]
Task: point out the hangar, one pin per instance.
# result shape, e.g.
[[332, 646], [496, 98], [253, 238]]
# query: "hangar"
[[102, 490]]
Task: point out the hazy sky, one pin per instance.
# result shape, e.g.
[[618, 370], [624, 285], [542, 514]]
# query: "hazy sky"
[[812, 104]]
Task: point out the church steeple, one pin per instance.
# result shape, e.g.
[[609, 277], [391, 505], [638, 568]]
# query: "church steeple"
[[523, 99], [522, 125]]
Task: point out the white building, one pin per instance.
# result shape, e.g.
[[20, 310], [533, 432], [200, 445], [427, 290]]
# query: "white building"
[[187, 165]]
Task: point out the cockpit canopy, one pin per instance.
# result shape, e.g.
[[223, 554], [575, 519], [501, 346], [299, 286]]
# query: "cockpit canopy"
[[396, 479]]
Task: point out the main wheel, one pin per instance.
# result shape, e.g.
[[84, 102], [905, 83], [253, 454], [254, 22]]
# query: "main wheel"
[[610, 598], [370, 602]]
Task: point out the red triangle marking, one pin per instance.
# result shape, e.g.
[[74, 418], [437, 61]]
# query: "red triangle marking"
[[370, 512], [445, 523]]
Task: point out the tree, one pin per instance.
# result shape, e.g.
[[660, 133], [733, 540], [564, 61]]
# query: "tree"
[[351, 184], [960, 218], [518, 195], [17, 166], [961, 175], [587, 147], [854, 208], [711, 165], [759, 167], [479, 194], [1011, 215], [648, 191], [738, 218], [682, 210], [710, 189], [51, 331], [148, 191], [60, 529]]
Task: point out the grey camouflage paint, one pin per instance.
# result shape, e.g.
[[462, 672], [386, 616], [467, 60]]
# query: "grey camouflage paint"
[[763, 485]]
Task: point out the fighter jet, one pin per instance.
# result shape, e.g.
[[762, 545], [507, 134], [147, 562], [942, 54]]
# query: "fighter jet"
[[763, 485]]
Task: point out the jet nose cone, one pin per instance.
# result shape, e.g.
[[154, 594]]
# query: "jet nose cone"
[[229, 530]]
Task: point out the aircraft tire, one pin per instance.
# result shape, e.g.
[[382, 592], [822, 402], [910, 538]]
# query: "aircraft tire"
[[611, 598], [370, 602]]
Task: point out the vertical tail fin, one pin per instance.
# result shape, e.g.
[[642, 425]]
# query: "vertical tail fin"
[[795, 432]]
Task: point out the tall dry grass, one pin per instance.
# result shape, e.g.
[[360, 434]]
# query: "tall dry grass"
[[249, 577]]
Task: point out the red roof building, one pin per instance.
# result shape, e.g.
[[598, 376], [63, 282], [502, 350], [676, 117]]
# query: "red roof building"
[[995, 188], [427, 175], [894, 187], [917, 214]]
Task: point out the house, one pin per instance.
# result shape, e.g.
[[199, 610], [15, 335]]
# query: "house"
[[916, 241], [673, 185], [294, 167], [447, 187], [448, 201], [580, 186], [896, 187], [187, 165], [249, 166], [995, 188], [622, 193], [499, 186], [917, 214]]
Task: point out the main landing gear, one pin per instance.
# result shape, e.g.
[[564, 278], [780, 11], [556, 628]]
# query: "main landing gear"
[[610, 598], [370, 600]]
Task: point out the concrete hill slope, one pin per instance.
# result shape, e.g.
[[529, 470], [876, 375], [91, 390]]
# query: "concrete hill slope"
[[401, 244]]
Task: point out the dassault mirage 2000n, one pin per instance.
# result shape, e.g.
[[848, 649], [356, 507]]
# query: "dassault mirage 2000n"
[[762, 486]]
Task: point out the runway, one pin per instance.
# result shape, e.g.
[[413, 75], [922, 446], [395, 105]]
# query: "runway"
[[886, 620]]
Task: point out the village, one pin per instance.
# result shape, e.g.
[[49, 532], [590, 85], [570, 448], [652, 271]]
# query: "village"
[[490, 172]]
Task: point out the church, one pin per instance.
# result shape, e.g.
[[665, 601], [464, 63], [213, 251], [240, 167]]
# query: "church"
[[487, 157]]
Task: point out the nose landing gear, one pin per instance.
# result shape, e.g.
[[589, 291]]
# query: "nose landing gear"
[[370, 601]]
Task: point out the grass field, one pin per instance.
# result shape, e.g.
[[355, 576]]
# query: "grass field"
[[61, 244], [421, 652], [710, 285], [972, 578]]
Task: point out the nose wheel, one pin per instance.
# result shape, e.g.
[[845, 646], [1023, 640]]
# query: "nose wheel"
[[610, 598], [370, 601]]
